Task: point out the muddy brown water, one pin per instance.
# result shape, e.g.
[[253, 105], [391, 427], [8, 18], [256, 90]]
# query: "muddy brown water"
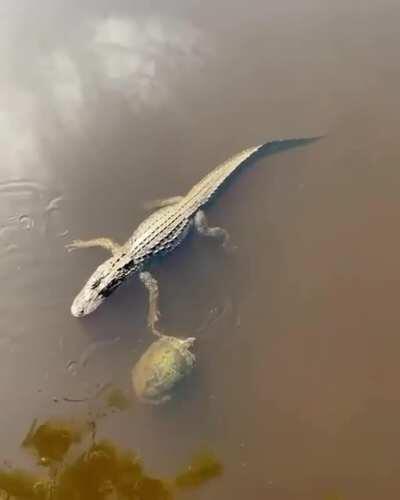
[[104, 106]]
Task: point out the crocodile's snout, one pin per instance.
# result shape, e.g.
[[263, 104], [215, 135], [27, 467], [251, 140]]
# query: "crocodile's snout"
[[85, 303], [77, 310]]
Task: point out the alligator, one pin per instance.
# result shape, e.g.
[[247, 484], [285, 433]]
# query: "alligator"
[[161, 232]]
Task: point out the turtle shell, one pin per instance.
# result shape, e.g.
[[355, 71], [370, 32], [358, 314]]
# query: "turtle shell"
[[161, 367]]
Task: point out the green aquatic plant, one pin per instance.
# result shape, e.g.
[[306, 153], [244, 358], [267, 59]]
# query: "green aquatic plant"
[[84, 469], [204, 466], [52, 440]]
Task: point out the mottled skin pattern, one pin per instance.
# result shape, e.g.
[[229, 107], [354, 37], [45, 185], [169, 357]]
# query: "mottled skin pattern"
[[161, 233], [162, 366]]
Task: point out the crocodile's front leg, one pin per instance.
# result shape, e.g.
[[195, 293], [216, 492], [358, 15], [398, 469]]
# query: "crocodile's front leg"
[[167, 202], [105, 243], [202, 227], [153, 315]]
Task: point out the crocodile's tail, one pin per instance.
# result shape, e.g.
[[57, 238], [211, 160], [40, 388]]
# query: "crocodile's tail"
[[278, 145], [203, 191]]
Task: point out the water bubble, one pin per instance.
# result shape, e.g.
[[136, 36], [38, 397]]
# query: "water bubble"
[[72, 367], [26, 221]]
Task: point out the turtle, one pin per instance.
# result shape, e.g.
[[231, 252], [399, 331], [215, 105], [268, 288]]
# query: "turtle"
[[164, 364]]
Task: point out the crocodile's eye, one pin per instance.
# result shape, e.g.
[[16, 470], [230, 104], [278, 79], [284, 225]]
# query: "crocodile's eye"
[[108, 290], [96, 284]]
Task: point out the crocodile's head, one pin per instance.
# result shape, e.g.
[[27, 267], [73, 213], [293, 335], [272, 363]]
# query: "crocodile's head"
[[105, 279]]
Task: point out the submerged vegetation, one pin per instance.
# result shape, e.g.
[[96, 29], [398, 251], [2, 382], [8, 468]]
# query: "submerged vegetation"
[[76, 466]]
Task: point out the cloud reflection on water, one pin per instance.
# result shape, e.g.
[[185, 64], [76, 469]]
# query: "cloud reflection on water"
[[54, 83]]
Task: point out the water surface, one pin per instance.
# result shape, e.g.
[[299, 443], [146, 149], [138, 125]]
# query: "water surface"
[[104, 107]]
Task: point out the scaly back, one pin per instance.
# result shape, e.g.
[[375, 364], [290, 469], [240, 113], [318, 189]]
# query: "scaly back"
[[204, 190]]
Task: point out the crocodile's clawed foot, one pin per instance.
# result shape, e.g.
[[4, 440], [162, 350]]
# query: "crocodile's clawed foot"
[[202, 227], [161, 203], [229, 248], [73, 245], [156, 332], [106, 243], [153, 315]]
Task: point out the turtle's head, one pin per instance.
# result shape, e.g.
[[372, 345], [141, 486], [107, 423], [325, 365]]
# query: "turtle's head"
[[99, 286]]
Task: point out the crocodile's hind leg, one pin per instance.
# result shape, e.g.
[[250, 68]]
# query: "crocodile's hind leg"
[[154, 204], [202, 227], [153, 315], [105, 243]]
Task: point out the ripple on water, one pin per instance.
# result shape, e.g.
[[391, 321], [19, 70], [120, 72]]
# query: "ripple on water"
[[26, 221], [34, 205]]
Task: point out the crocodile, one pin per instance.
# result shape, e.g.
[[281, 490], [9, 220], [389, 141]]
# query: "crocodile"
[[161, 232]]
